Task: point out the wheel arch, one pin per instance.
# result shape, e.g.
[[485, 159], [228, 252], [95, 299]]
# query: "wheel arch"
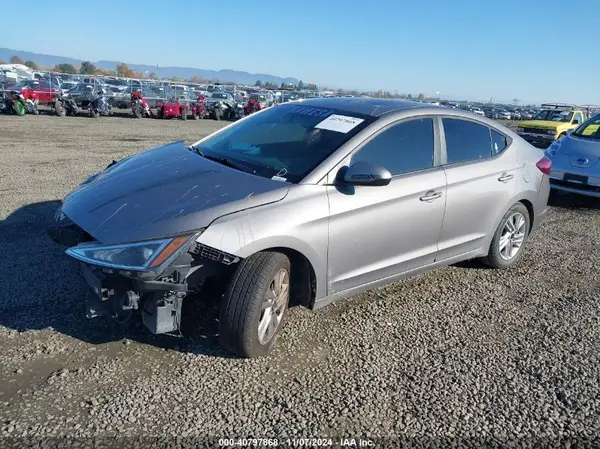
[[302, 277]]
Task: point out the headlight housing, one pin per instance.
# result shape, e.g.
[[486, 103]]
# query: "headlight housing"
[[139, 256]]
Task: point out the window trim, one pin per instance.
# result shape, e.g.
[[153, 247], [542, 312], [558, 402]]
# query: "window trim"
[[444, 150], [436, 145]]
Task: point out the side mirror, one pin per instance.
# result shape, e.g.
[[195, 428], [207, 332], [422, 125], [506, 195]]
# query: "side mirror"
[[366, 174]]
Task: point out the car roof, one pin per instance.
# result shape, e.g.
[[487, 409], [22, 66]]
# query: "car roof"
[[375, 107]]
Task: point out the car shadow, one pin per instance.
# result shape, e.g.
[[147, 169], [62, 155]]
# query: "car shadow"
[[565, 200], [40, 291]]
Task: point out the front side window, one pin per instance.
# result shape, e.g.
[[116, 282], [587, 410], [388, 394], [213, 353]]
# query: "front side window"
[[401, 148], [577, 119], [288, 141], [466, 141]]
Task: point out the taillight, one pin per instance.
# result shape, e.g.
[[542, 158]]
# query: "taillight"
[[545, 165]]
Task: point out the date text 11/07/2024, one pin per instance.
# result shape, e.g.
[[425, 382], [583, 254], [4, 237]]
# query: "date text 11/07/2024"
[[295, 442]]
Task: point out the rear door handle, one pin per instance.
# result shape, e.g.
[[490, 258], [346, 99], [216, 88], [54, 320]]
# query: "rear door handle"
[[505, 177], [430, 196]]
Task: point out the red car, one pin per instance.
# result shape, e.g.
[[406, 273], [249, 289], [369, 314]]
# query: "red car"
[[46, 92], [172, 108]]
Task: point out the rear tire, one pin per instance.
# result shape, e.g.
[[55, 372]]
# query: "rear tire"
[[183, 114], [137, 112], [512, 231], [253, 309]]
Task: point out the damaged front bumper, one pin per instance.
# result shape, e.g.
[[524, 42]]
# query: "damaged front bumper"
[[154, 291]]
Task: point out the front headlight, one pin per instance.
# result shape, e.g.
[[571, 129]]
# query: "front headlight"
[[520, 130], [140, 256]]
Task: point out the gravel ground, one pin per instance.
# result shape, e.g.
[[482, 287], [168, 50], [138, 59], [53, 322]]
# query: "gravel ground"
[[460, 356]]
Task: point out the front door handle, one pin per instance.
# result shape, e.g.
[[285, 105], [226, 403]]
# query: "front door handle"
[[505, 177], [430, 196]]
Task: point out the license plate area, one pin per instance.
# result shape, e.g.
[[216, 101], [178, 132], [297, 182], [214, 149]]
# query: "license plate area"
[[577, 179]]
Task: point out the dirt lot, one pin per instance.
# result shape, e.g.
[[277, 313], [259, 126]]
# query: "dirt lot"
[[460, 355]]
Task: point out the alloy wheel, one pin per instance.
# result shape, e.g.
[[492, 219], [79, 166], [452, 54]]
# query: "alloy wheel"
[[513, 236], [273, 306]]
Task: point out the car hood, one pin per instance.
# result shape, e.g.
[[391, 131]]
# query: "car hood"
[[542, 124], [164, 191]]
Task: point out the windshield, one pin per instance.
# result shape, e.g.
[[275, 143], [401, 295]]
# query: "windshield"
[[257, 97], [219, 95], [589, 129], [28, 83], [288, 141], [555, 116]]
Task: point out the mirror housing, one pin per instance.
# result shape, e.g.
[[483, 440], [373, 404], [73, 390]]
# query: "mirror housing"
[[366, 174]]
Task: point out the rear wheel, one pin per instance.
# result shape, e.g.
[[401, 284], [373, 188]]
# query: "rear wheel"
[[254, 304], [137, 111], [508, 244], [183, 114]]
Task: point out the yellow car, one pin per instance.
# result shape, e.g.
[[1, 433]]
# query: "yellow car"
[[552, 122]]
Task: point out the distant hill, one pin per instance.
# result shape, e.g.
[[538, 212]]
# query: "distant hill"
[[235, 76]]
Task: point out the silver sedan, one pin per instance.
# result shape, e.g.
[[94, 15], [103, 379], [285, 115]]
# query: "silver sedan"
[[576, 160], [304, 202]]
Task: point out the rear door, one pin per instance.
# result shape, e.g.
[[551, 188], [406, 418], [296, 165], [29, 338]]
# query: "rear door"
[[483, 174], [377, 232]]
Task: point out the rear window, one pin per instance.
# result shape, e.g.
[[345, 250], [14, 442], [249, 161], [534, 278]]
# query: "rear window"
[[288, 141]]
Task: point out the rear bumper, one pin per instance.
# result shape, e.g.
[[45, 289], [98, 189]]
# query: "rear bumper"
[[580, 189]]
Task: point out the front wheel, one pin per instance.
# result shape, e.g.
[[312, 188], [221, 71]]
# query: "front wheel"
[[508, 244], [137, 112], [183, 114], [59, 108], [18, 108], [254, 305]]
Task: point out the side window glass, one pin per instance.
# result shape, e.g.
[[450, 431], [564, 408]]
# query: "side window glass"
[[577, 119], [499, 143], [466, 141], [402, 148]]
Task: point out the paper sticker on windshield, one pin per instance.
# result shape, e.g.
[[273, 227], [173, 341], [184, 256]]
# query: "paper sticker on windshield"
[[339, 123]]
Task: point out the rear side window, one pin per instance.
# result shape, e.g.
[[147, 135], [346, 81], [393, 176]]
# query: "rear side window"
[[466, 141], [401, 148], [499, 142]]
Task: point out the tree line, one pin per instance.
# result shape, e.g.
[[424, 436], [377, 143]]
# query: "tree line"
[[122, 70]]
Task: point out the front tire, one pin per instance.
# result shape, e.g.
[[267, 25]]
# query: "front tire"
[[508, 245], [254, 304], [59, 108]]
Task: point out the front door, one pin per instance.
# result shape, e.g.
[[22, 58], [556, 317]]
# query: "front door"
[[377, 232]]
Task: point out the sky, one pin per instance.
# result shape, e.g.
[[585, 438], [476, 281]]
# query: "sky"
[[532, 50]]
